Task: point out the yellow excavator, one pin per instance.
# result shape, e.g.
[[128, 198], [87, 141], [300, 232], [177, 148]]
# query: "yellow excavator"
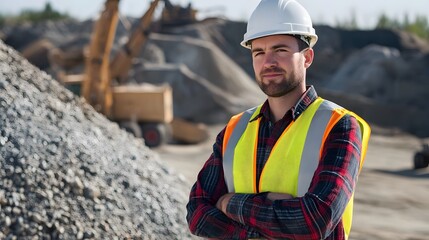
[[146, 111]]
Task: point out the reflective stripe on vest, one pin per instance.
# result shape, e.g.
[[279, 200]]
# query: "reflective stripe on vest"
[[233, 140], [284, 171]]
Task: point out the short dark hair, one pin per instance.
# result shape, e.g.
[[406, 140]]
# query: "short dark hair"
[[301, 43]]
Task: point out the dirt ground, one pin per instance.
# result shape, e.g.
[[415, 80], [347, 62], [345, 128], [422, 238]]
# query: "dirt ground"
[[391, 200]]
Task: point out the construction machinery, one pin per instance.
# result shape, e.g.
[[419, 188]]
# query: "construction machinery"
[[175, 15], [421, 158], [146, 111], [143, 111]]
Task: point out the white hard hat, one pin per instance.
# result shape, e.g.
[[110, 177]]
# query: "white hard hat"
[[273, 17]]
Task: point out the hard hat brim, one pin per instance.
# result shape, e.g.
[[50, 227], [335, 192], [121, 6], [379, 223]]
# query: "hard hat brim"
[[248, 37]]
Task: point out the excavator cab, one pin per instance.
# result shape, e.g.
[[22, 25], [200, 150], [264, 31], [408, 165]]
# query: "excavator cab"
[[176, 15]]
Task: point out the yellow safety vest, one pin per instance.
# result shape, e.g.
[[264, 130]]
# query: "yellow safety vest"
[[294, 158]]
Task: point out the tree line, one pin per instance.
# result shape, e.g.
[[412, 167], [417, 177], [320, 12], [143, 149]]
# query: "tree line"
[[418, 26], [48, 13]]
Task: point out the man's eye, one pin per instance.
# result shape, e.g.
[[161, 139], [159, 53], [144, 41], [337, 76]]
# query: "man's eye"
[[258, 54]]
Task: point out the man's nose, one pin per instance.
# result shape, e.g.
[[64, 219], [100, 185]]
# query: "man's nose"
[[270, 60]]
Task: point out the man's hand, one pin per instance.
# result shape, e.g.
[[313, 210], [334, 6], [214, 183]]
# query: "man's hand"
[[223, 201], [278, 196]]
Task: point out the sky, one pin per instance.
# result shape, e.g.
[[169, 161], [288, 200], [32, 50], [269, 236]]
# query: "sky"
[[329, 12]]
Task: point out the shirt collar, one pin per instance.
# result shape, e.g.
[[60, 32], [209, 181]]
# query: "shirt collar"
[[303, 102]]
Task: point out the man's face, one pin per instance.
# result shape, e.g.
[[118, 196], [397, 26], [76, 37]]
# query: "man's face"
[[279, 65]]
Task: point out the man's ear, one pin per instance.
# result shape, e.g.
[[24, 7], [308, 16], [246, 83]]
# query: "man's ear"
[[309, 56]]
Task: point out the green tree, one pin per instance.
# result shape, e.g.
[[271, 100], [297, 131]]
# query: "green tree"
[[419, 27], [48, 13]]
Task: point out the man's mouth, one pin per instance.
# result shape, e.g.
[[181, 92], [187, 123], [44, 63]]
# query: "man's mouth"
[[272, 72], [271, 75]]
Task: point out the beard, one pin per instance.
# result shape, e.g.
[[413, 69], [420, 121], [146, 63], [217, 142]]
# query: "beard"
[[279, 88]]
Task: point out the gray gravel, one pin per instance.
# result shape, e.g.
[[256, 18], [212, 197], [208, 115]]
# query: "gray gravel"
[[67, 172]]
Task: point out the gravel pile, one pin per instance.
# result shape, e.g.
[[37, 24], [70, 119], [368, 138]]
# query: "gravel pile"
[[67, 172]]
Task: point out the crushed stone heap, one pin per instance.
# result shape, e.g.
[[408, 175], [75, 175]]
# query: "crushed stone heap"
[[67, 172]]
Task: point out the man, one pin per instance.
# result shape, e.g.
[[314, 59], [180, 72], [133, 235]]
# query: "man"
[[286, 169]]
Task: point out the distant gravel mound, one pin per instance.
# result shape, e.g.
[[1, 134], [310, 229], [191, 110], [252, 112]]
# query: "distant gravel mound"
[[208, 86], [67, 172]]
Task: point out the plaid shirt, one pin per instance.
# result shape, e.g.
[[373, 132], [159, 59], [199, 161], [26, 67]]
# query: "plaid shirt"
[[317, 215]]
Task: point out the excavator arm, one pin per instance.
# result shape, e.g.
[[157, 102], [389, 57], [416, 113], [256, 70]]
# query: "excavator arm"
[[96, 87], [122, 62]]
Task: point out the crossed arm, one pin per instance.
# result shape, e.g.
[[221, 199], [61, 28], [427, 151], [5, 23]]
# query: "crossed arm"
[[223, 201]]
